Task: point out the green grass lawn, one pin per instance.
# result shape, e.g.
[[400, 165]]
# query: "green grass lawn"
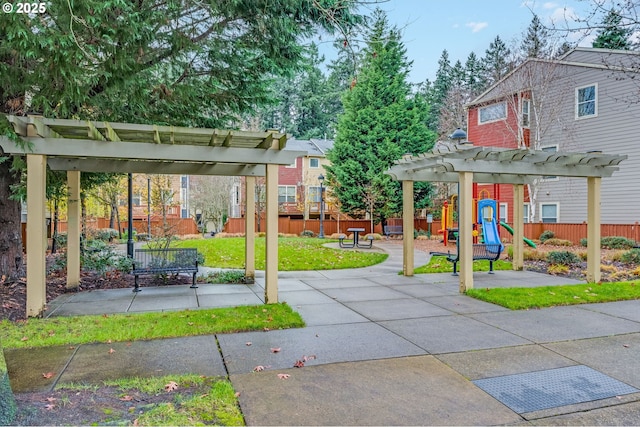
[[439, 264], [294, 254], [118, 327], [549, 296]]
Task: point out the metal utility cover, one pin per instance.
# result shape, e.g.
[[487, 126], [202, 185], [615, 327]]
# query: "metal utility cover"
[[534, 391]]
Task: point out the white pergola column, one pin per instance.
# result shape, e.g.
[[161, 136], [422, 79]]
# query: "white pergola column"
[[408, 259], [465, 228], [36, 234], [593, 229], [73, 229], [250, 229], [271, 257], [518, 227]]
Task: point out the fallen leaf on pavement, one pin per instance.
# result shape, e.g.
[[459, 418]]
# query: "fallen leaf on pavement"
[[248, 343], [258, 368], [48, 375], [237, 394], [111, 351], [283, 376], [298, 364], [275, 350]]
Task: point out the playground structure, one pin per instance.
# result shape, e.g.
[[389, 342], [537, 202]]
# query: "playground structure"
[[484, 210]]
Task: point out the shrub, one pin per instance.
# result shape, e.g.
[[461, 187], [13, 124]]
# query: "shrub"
[[106, 234], [558, 242], [307, 233], [101, 258], [61, 240], [631, 257], [546, 235], [617, 242], [562, 257], [534, 255], [584, 241]]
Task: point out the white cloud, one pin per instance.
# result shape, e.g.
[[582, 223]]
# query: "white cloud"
[[477, 26]]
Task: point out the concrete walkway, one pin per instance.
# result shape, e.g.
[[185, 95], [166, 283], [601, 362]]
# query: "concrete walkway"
[[380, 349]]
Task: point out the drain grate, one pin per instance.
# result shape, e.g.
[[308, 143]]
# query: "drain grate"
[[534, 391]]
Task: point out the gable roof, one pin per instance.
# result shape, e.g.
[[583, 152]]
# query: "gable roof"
[[313, 147], [585, 57]]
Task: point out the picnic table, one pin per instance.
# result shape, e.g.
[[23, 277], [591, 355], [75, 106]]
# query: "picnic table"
[[356, 239]]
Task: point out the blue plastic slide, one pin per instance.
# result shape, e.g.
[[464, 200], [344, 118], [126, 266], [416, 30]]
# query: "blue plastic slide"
[[490, 234]]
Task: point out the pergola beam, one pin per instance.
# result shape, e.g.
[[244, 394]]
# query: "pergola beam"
[[150, 151], [164, 168]]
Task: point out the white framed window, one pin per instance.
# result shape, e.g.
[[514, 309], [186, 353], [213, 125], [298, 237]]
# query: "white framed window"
[[314, 163], [286, 193], [525, 212], [492, 113], [549, 212], [293, 165], [525, 107], [549, 149], [504, 209], [587, 101], [314, 194]]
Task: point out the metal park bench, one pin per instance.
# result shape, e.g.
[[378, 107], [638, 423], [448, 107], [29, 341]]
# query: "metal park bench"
[[481, 251], [392, 230], [162, 261]]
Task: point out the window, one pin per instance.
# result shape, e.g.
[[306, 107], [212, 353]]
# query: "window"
[[549, 212], [503, 212], [526, 105], [525, 212], [286, 194], [184, 182], [314, 194], [586, 101], [236, 194], [314, 163], [549, 149], [493, 112]]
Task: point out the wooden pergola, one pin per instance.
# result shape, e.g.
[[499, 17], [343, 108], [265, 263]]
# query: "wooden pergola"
[[90, 146], [466, 164]]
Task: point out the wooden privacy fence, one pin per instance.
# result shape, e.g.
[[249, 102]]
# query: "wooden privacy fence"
[[177, 226], [571, 232], [287, 225]]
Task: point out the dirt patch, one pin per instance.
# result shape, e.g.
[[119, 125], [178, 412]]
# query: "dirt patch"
[[102, 405]]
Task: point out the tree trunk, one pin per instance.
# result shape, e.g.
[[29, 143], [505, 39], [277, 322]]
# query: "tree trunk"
[[10, 225]]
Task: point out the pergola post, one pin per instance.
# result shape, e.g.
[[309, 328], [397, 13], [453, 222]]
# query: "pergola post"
[[36, 234], [518, 227], [271, 256], [408, 259], [73, 229], [593, 229], [465, 228], [250, 230]]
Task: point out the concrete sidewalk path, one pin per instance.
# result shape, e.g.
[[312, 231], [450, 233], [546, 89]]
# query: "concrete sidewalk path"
[[381, 349]]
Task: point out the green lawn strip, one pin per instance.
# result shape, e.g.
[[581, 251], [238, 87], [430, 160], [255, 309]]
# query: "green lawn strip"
[[549, 296], [294, 254], [439, 264], [143, 326]]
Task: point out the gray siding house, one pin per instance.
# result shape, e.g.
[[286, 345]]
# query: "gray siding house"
[[587, 100]]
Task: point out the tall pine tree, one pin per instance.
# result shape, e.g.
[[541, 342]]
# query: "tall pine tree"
[[613, 34], [381, 122]]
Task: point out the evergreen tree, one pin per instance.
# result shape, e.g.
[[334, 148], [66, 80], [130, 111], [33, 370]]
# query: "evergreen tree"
[[613, 34], [496, 61], [535, 43], [381, 122], [177, 63], [474, 82]]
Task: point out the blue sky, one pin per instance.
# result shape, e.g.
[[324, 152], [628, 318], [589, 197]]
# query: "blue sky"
[[463, 26]]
